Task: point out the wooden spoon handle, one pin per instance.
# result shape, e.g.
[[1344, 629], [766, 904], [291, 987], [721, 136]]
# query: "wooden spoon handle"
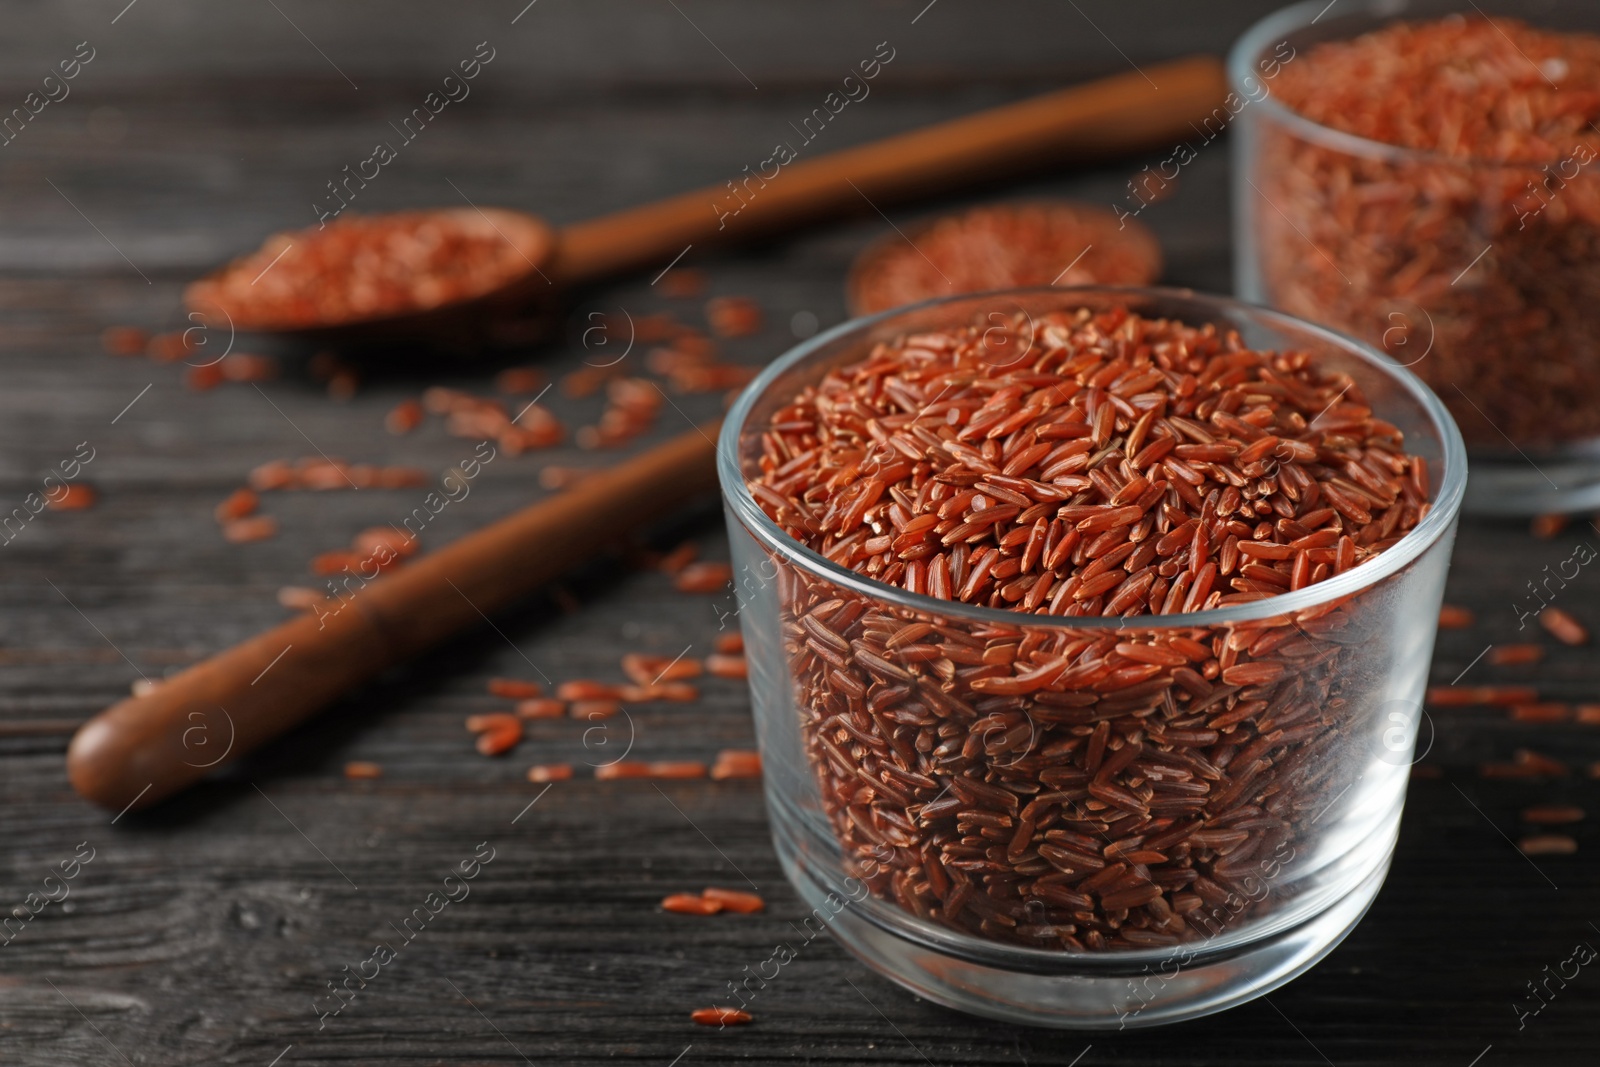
[[147, 747], [1107, 117]]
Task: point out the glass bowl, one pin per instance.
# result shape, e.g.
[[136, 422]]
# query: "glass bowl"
[[1480, 276], [890, 776]]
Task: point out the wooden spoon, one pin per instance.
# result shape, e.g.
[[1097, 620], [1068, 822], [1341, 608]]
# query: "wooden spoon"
[[148, 746], [1108, 117]]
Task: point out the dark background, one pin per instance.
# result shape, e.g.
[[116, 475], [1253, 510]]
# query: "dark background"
[[201, 930]]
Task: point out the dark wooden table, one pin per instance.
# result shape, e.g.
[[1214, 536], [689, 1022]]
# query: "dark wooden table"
[[201, 931]]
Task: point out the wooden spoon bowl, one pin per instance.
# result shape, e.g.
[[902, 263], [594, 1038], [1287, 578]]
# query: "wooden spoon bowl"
[[448, 278]]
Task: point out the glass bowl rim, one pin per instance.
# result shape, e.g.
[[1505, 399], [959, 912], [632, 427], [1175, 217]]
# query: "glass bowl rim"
[[1434, 526], [1252, 44]]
